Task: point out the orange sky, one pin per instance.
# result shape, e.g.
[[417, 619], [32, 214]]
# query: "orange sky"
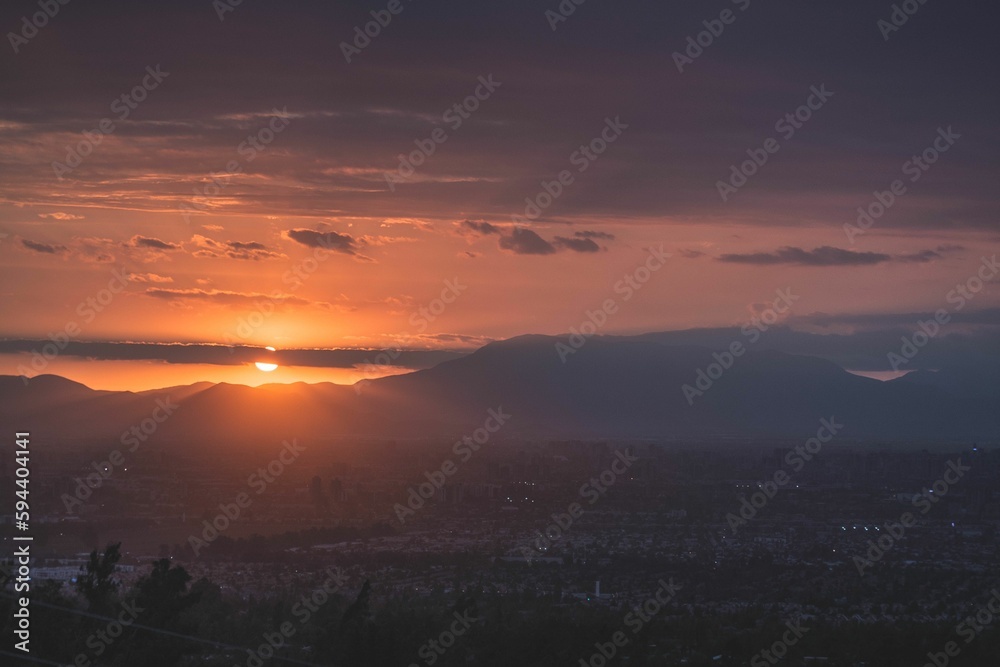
[[237, 166], [377, 303]]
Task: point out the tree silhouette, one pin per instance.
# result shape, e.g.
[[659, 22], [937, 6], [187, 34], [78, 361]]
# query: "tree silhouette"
[[355, 633], [161, 597], [95, 582], [163, 593]]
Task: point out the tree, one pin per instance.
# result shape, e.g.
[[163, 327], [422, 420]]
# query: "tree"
[[161, 597], [163, 593], [354, 634], [96, 583]]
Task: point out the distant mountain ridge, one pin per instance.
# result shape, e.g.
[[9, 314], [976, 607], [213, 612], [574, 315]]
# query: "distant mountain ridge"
[[609, 388]]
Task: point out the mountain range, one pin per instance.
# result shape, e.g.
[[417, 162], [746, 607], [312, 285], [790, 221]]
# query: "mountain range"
[[608, 388]]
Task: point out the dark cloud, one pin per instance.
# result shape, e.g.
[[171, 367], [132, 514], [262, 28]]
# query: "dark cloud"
[[43, 247], [332, 241], [224, 355], [595, 235], [157, 244], [346, 130], [830, 256], [576, 245], [252, 245], [823, 256], [480, 227], [249, 250], [924, 256], [920, 257], [523, 241]]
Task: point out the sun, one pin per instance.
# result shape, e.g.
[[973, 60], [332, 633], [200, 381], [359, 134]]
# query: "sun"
[[266, 366]]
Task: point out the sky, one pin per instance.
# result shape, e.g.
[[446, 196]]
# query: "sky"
[[239, 176]]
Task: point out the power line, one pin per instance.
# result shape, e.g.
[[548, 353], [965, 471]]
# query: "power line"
[[161, 631]]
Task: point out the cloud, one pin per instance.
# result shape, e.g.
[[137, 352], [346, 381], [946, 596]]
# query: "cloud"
[[149, 278], [822, 256], [690, 254], [326, 166], [225, 297], [248, 245], [94, 249], [59, 215], [462, 339], [379, 240], [224, 355], [583, 241], [924, 256], [44, 248], [157, 244], [523, 241], [595, 235], [577, 245], [332, 241], [412, 223], [248, 250], [479, 227], [919, 257], [81, 249], [830, 256]]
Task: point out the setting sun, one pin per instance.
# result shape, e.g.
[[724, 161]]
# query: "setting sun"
[[266, 366]]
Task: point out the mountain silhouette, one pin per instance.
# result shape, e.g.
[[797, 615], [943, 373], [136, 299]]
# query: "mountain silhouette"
[[608, 388]]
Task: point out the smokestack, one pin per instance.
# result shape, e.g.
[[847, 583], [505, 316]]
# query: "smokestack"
[[597, 589]]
